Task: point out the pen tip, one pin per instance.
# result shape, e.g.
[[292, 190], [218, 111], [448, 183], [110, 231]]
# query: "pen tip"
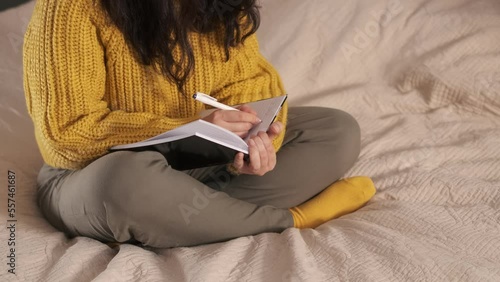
[[194, 96]]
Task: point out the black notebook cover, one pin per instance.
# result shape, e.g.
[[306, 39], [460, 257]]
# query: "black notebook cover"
[[192, 152]]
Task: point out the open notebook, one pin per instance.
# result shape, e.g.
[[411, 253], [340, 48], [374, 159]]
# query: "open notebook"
[[201, 143]]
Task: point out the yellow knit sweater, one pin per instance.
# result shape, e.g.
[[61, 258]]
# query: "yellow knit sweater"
[[85, 92]]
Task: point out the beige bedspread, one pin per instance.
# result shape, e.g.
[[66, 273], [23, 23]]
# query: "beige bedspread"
[[423, 79]]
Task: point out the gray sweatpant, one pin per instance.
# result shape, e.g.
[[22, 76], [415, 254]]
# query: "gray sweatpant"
[[136, 197]]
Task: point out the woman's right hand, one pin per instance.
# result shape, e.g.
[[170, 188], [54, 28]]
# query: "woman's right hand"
[[239, 122]]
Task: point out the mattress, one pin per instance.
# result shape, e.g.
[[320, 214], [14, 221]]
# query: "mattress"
[[423, 80]]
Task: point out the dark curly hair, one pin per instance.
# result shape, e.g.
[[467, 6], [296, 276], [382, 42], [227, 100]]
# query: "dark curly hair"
[[155, 28]]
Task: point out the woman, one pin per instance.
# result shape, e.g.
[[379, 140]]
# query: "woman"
[[99, 73]]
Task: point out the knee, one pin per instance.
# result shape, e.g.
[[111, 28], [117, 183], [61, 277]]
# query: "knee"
[[119, 175], [332, 120], [352, 136], [350, 127], [346, 131], [341, 122], [333, 126]]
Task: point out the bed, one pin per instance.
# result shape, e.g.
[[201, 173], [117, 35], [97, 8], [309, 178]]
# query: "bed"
[[423, 80]]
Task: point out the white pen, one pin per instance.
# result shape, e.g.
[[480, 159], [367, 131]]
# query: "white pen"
[[205, 99]]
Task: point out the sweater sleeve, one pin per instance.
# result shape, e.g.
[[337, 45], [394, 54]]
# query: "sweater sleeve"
[[252, 78], [65, 81]]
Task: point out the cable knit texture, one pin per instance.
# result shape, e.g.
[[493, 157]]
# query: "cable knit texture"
[[86, 92]]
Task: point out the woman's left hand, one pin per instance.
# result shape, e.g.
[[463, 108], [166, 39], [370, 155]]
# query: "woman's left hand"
[[261, 151]]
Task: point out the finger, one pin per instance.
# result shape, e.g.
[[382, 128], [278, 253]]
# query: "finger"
[[262, 151], [238, 162], [271, 153], [275, 129], [220, 117], [269, 150], [238, 127], [248, 109], [265, 138], [240, 116], [254, 156], [272, 158]]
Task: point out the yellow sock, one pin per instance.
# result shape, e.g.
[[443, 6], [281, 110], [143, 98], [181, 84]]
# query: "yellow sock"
[[340, 198]]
